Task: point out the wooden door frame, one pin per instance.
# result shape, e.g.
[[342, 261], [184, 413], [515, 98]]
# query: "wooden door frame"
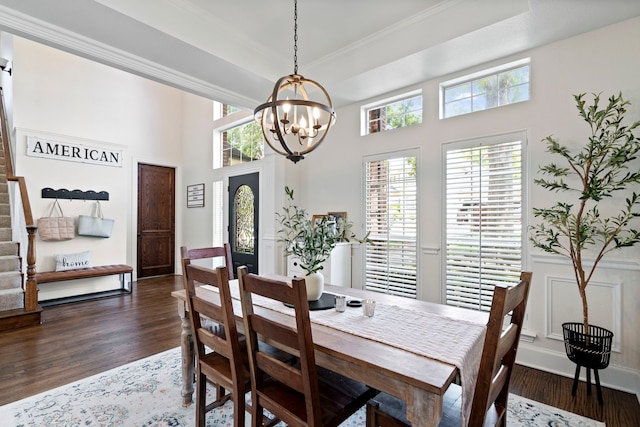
[[133, 235]]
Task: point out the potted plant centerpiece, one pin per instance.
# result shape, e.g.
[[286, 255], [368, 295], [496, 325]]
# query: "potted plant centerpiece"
[[577, 226], [310, 241]]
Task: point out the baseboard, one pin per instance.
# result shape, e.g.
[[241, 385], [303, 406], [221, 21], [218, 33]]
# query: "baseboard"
[[614, 377]]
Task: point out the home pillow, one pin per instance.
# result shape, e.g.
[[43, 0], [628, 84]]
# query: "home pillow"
[[73, 261]]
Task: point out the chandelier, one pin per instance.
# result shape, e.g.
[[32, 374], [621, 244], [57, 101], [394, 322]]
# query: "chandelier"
[[298, 114]]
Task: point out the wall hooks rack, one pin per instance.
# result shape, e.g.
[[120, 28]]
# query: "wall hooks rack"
[[63, 193]]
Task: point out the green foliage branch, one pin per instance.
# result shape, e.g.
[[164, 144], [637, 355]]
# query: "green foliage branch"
[[600, 169], [310, 243]]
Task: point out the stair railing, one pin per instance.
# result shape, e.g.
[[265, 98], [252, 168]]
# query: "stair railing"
[[31, 286]]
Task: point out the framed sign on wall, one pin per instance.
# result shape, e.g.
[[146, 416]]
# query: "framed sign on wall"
[[195, 196]]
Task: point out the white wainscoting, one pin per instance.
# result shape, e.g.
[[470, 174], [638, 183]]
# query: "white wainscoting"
[[614, 295], [564, 306], [268, 264]]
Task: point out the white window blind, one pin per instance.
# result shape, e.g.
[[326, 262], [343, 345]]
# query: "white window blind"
[[483, 220], [219, 235], [391, 212]]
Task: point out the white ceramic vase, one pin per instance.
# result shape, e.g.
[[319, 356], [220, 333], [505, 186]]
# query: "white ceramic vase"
[[315, 286]]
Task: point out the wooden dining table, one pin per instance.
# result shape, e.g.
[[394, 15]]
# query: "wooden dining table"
[[419, 380]]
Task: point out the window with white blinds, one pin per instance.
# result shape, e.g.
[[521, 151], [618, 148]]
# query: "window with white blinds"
[[483, 218], [391, 214]]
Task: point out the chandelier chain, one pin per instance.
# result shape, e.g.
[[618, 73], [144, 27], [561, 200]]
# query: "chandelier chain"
[[295, 37]]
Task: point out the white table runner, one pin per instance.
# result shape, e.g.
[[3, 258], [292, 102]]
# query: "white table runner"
[[453, 341]]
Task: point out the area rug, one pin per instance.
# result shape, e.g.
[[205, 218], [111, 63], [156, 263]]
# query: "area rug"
[[146, 393]]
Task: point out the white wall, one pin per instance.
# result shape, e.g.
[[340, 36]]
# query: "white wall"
[[604, 61], [6, 52], [62, 96], [197, 151], [65, 98]]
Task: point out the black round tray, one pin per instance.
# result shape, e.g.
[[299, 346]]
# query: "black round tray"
[[325, 302]]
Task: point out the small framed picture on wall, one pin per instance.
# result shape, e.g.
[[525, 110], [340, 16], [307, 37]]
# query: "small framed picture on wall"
[[316, 219], [336, 216], [195, 196]]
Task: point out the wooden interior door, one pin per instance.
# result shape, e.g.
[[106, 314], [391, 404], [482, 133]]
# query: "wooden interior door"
[[156, 220]]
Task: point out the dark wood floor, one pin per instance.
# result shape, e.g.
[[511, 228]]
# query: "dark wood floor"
[[85, 338]]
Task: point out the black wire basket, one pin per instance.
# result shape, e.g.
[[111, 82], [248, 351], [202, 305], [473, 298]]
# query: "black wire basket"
[[592, 350]]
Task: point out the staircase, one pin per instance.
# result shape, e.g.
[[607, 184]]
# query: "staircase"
[[11, 292], [18, 298], [12, 313]]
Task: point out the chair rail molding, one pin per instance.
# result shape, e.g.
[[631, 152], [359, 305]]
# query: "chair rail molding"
[[615, 264], [430, 250]]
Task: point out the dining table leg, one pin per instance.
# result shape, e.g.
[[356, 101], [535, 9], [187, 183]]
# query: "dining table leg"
[[423, 409], [187, 352]]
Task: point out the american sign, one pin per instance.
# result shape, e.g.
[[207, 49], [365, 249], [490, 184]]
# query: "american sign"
[[37, 147]]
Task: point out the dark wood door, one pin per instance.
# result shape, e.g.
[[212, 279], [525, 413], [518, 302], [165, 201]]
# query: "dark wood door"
[[156, 220], [244, 199]]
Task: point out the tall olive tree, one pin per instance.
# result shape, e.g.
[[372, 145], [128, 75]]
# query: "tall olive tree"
[[605, 166]]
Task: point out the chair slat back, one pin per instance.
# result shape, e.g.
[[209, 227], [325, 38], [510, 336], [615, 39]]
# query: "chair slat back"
[[211, 252], [226, 343], [499, 350], [296, 340]]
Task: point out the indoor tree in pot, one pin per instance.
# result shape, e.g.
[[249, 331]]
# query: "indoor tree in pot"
[[574, 226], [310, 242]]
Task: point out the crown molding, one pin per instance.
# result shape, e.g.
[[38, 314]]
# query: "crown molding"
[[32, 28]]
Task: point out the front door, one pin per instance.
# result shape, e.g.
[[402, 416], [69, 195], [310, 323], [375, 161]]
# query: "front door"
[[244, 198], [156, 220]]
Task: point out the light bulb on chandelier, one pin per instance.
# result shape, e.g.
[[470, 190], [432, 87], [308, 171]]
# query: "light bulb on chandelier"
[[298, 114]]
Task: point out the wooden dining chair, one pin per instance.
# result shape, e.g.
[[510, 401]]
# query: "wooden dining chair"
[[303, 394], [220, 357], [489, 405], [223, 251]]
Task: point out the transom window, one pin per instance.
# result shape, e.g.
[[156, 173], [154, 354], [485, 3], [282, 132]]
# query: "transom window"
[[237, 138], [492, 88], [393, 113], [243, 143]]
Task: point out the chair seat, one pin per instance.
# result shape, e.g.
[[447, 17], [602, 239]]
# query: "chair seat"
[[221, 363], [339, 397], [396, 409], [214, 365]]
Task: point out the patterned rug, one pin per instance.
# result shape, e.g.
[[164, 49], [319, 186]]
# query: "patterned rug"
[[146, 393]]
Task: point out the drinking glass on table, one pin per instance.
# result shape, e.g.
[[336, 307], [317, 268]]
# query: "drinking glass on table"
[[368, 307], [341, 303]]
